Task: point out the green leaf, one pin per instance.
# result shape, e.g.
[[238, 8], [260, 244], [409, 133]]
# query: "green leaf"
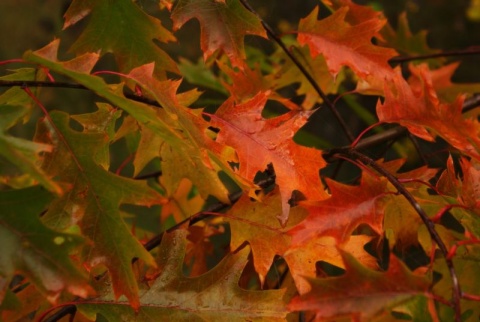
[[80, 159], [32, 249], [213, 296], [178, 126], [467, 264], [201, 75], [403, 220], [188, 158], [24, 154], [122, 28], [223, 25], [77, 69]]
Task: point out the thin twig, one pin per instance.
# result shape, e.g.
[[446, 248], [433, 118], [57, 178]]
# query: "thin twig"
[[462, 52], [25, 83], [303, 70], [59, 314], [456, 296], [471, 103]]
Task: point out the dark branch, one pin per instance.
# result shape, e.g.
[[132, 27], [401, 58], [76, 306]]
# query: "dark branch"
[[463, 52], [8, 83], [59, 314]]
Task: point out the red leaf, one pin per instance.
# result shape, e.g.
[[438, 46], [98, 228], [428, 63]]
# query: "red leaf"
[[417, 107], [356, 13], [348, 207], [361, 293], [260, 141], [442, 83], [344, 44]]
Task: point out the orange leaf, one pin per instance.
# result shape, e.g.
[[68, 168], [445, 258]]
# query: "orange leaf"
[[260, 141], [417, 107], [361, 293], [261, 219], [302, 258], [348, 207], [343, 44]]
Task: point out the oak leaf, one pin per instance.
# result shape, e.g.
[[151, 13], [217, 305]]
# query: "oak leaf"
[[176, 125], [122, 28], [402, 222], [95, 195], [347, 208], [344, 44], [78, 69], [20, 305], [32, 249], [466, 266], [302, 259], [265, 235], [417, 107], [467, 190], [223, 25], [191, 157], [445, 88], [213, 296], [259, 142], [200, 74], [24, 154], [361, 293]]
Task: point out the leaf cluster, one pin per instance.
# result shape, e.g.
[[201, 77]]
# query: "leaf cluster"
[[331, 176]]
